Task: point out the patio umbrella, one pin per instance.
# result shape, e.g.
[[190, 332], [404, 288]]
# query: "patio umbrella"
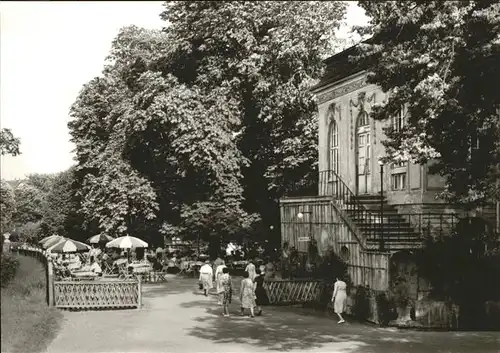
[[48, 238], [127, 242], [100, 238], [53, 241], [69, 245]]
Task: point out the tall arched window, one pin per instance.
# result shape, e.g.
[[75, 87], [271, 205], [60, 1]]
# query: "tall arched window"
[[333, 146], [364, 152], [399, 169]]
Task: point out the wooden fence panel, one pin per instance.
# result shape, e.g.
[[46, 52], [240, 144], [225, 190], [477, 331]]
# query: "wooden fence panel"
[[292, 291], [97, 294]]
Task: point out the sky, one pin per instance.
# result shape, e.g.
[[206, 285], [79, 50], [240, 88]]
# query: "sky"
[[48, 50]]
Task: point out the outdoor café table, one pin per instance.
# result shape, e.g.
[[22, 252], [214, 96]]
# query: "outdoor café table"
[[240, 265], [83, 275], [142, 269], [120, 261]]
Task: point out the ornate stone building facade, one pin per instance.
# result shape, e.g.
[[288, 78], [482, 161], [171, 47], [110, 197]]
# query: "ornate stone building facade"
[[350, 143], [363, 211]]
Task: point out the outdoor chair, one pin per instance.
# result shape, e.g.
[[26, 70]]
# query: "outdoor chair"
[[124, 272], [61, 271], [107, 269], [157, 276]]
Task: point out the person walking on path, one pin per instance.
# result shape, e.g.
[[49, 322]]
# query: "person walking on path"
[[247, 294], [227, 291], [260, 293], [251, 270], [219, 286], [339, 299], [206, 275]]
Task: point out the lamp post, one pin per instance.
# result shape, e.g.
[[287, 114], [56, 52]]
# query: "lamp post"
[[382, 241], [271, 236]]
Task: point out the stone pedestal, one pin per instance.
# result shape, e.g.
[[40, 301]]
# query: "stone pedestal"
[[6, 243]]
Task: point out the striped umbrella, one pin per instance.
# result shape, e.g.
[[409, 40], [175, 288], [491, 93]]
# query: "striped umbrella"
[[53, 241], [127, 242], [100, 238], [50, 237], [69, 245]]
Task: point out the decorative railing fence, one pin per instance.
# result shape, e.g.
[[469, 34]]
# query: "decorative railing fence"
[[283, 292], [97, 294], [49, 269]]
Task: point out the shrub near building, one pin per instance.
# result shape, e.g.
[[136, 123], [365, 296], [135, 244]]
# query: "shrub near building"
[[9, 266]]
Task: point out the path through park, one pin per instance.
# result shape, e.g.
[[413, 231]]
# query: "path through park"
[[177, 318]]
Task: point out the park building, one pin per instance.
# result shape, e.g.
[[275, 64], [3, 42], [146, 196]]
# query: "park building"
[[371, 215]]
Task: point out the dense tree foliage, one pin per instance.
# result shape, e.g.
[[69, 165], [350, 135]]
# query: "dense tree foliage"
[[9, 144], [192, 130], [440, 59], [41, 205], [7, 206]]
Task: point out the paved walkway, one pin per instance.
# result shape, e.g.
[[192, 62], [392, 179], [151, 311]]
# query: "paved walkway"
[[177, 318]]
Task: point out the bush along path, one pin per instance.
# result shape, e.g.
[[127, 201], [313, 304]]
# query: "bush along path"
[[9, 266], [27, 323]]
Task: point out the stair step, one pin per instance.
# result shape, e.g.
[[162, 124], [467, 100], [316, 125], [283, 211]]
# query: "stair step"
[[391, 215], [368, 197], [388, 225], [366, 201], [376, 211], [396, 239], [385, 225]]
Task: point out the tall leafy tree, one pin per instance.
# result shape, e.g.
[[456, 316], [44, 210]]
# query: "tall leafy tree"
[[192, 129], [268, 53], [30, 204], [9, 144], [440, 59], [59, 203], [7, 206]]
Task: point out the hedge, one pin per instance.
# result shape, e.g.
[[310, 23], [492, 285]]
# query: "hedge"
[[9, 266]]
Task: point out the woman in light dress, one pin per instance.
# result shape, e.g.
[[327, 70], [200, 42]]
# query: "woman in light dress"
[[219, 285], [206, 275], [339, 299], [251, 270], [247, 294]]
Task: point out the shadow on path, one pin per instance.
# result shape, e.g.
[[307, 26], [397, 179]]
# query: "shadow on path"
[[177, 317], [286, 328]]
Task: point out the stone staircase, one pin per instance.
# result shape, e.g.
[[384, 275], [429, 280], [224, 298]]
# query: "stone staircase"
[[395, 232], [389, 230]]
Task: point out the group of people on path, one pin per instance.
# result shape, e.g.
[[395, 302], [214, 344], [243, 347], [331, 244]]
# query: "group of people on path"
[[252, 293]]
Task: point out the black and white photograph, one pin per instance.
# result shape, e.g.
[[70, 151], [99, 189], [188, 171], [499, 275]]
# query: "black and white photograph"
[[250, 176]]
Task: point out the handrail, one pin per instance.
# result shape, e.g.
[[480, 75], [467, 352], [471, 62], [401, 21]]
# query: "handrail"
[[331, 183], [370, 222], [411, 227]]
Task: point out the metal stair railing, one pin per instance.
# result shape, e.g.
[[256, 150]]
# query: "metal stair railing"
[[370, 223], [331, 184]]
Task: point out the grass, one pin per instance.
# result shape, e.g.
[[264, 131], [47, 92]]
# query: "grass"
[[27, 323]]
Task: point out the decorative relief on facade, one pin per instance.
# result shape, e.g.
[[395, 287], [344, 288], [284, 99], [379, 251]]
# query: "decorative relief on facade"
[[352, 125], [332, 112], [371, 100], [361, 108], [341, 91]]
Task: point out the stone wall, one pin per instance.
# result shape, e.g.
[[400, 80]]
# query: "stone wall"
[[436, 314]]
